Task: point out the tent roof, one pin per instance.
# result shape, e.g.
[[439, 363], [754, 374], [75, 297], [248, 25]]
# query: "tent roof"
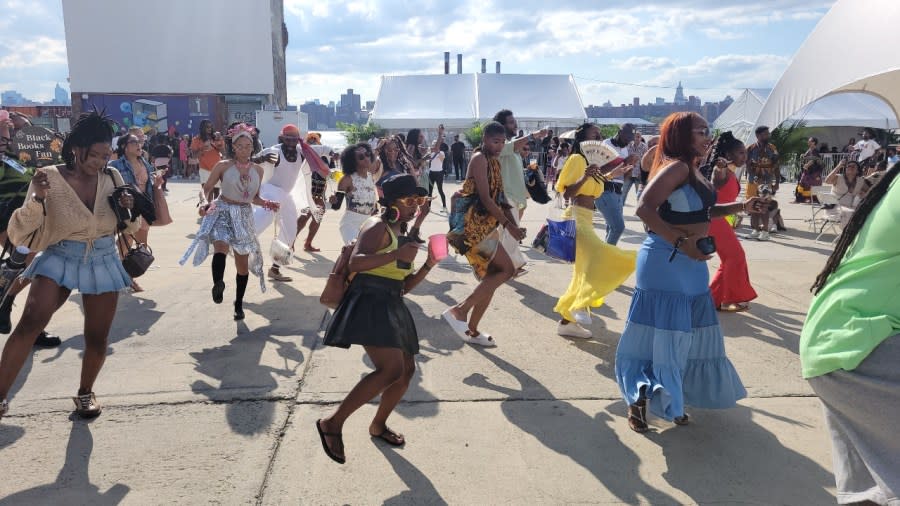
[[869, 60], [621, 121], [459, 100], [740, 116]]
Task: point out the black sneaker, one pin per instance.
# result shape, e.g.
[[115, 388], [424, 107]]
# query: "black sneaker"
[[238, 311], [218, 290], [45, 340]]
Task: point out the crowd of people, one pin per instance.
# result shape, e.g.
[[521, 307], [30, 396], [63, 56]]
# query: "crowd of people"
[[671, 354]]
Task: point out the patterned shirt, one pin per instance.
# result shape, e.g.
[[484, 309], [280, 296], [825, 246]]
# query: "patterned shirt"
[[762, 163]]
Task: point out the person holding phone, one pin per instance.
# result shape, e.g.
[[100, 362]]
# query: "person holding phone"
[[672, 351], [372, 314]]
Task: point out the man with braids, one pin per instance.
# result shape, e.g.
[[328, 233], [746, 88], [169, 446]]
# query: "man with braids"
[[68, 217], [14, 180], [850, 348]]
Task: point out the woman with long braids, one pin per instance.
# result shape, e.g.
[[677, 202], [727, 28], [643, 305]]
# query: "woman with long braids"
[[372, 314], [228, 221], [415, 148], [730, 287], [850, 348], [599, 267], [68, 218], [672, 352]]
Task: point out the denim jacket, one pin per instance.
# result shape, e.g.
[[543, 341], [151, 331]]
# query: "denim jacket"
[[128, 176]]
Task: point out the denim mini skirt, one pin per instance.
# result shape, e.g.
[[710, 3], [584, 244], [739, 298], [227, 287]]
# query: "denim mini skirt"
[[89, 268]]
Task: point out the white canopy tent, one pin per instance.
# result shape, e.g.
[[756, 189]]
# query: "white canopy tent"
[[867, 54], [459, 100]]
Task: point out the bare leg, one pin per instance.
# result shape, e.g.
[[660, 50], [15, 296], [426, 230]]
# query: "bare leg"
[[99, 311], [500, 271], [242, 264], [392, 395]]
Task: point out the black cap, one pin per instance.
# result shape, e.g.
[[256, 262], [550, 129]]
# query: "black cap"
[[401, 185]]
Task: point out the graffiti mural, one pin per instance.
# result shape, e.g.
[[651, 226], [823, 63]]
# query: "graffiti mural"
[[159, 113]]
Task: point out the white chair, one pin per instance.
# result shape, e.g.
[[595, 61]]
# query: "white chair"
[[831, 210], [815, 208]]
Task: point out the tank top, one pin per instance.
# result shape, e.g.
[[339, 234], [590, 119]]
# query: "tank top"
[[236, 190], [286, 172], [363, 197], [390, 269], [690, 203]]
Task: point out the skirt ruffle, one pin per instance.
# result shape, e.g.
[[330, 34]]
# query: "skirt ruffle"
[[372, 313], [90, 269]]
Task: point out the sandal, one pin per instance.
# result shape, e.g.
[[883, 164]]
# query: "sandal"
[[390, 437], [682, 420], [310, 248], [480, 338], [637, 417], [340, 459], [735, 307], [458, 326]]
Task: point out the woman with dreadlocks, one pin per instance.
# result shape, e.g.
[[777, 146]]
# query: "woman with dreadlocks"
[[599, 267], [730, 286], [68, 218], [850, 348]]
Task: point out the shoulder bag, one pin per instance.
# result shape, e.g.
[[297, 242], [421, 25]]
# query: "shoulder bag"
[[339, 279]]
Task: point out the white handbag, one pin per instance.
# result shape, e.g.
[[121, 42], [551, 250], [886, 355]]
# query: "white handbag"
[[280, 252]]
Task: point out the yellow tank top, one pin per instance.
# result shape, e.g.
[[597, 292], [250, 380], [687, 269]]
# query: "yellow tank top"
[[390, 269]]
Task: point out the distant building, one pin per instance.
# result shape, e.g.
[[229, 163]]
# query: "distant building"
[[320, 117], [349, 107], [13, 97], [370, 104], [61, 96], [679, 95], [660, 101]]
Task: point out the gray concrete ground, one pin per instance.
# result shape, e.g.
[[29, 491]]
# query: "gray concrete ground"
[[200, 409]]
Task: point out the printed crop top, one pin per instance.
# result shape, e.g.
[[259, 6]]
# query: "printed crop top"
[[690, 203]]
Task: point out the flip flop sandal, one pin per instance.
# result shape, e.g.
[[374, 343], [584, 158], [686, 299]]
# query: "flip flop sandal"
[[458, 326], [390, 437], [481, 339], [734, 308], [322, 434], [311, 249], [637, 418]]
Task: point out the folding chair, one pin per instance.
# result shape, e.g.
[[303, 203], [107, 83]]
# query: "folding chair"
[[815, 208], [832, 216]]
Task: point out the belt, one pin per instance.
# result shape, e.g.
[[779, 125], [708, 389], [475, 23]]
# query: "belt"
[[612, 186]]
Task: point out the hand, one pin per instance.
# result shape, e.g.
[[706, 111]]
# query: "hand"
[[332, 199], [722, 163], [689, 248], [271, 205], [540, 134], [620, 170], [518, 233], [407, 253], [593, 171], [755, 205], [126, 200], [40, 184], [271, 158]]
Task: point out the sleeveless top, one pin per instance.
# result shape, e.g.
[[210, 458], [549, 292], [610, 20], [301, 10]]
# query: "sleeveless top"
[[237, 190], [390, 269], [690, 203], [363, 197]]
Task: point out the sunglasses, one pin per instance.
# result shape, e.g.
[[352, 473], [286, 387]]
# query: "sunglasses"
[[133, 141], [412, 201], [702, 131], [362, 156]]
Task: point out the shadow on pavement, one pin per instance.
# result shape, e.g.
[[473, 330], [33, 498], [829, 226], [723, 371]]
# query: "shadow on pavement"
[[569, 431], [761, 320], [73, 484], [421, 490]]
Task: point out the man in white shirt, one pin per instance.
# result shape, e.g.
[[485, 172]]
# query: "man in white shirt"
[[610, 202], [866, 148]]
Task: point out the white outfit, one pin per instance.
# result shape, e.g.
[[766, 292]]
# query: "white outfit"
[[866, 149], [437, 162], [280, 188], [360, 206], [623, 153]]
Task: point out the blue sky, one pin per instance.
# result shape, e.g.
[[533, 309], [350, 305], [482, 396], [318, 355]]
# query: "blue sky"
[[714, 46]]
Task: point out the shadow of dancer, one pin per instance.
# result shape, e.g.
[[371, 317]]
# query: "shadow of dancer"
[[421, 490], [73, 484], [761, 319], [588, 441]]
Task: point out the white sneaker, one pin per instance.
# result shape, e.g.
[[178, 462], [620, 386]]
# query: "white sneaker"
[[754, 234], [582, 317], [773, 228], [763, 236], [573, 329]]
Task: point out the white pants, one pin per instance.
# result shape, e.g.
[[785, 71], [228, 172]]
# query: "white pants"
[[351, 222], [262, 218]]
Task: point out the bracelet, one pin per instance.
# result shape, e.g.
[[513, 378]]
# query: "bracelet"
[[426, 266]]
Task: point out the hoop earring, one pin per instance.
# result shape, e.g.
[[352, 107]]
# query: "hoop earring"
[[393, 214]]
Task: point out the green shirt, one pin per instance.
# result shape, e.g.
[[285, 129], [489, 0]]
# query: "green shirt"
[[860, 304], [513, 175]]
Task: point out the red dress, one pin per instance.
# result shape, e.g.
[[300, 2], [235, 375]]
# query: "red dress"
[[731, 283]]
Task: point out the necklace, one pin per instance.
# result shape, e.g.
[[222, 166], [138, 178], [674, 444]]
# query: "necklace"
[[244, 184]]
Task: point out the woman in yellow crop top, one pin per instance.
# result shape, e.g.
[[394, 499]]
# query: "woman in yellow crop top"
[[599, 267], [372, 314]]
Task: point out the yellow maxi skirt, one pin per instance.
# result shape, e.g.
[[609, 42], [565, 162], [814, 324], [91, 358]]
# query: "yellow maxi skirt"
[[599, 267]]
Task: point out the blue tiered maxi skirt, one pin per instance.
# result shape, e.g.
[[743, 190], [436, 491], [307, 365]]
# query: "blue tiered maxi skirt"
[[672, 344]]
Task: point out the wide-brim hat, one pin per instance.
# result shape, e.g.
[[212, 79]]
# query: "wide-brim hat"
[[401, 185]]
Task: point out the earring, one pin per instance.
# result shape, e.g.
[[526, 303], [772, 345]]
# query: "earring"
[[393, 214]]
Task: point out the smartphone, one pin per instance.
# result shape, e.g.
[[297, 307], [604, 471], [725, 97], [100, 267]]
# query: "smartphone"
[[706, 245], [338, 200]]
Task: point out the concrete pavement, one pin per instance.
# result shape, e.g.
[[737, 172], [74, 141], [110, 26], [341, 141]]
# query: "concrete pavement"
[[201, 409]]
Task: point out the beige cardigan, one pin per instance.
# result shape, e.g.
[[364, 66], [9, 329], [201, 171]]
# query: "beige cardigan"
[[67, 217]]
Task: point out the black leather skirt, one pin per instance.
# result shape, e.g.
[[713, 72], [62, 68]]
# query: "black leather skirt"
[[372, 313]]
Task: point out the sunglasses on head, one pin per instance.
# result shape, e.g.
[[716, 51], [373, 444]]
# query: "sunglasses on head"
[[412, 201]]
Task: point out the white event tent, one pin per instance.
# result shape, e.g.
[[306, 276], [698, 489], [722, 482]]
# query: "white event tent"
[[460, 100], [861, 36]]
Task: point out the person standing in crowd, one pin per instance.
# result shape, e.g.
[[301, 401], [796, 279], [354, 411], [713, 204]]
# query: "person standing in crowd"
[[392, 159], [314, 212], [417, 151], [458, 157], [228, 221], [559, 161], [672, 352], [358, 189], [511, 162], [436, 173], [850, 348], [812, 168], [372, 314], [68, 219], [850, 145], [636, 148], [207, 150], [599, 267], [864, 150], [610, 202], [762, 169], [482, 238], [730, 287], [184, 154]]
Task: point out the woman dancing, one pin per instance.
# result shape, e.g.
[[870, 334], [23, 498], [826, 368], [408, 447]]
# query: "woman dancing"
[[485, 222], [358, 188], [730, 287], [672, 352], [811, 162], [372, 314], [599, 267], [228, 221]]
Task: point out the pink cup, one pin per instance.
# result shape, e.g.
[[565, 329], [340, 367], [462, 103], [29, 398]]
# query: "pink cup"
[[437, 246]]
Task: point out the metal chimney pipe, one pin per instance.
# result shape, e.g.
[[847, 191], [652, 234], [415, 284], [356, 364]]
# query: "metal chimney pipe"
[[484, 65], [459, 63], [446, 62], [498, 67]]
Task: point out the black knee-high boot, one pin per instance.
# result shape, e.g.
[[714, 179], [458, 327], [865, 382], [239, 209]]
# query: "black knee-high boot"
[[6, 314], [240, 282], [218, 275]]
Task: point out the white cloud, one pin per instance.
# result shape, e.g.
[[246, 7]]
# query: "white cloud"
[[644, 63], [728, 71], [718, 34], [34, 52]]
